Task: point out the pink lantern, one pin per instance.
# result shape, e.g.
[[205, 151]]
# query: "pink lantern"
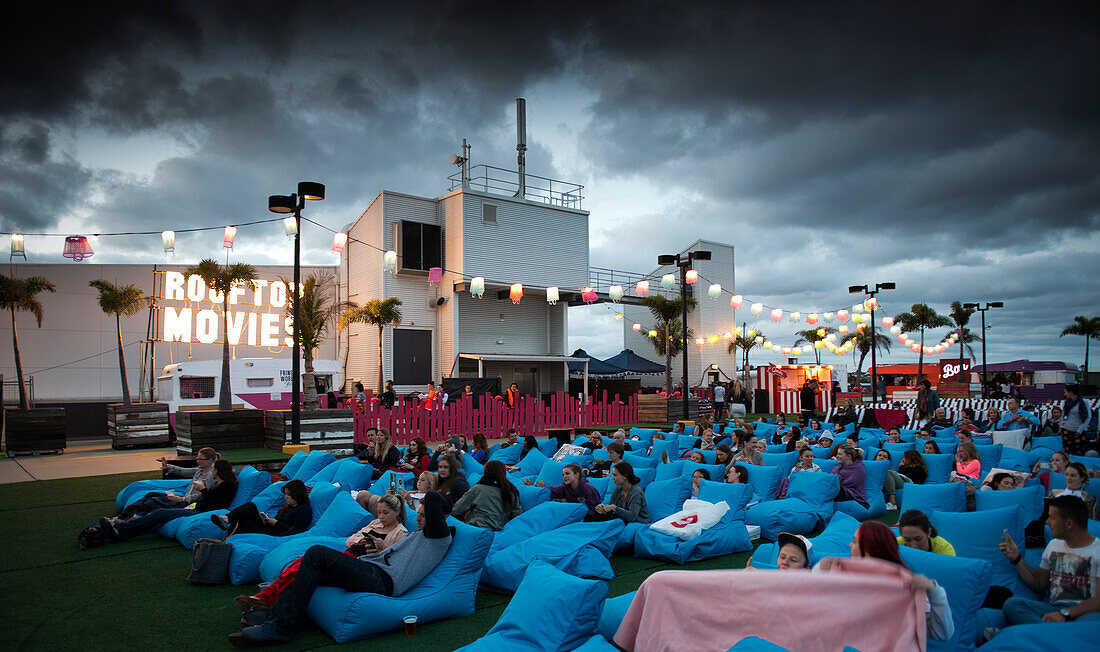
[[842, 315], [736, 301], [642, 288], [516, 292], [77, 247], [777, 314], [843, 330], [915, 348], [811, 318], [887, 321], [227, 238], [637, 328], [588, 295], [902, 338], [692, 277], [339, 241], [435, 276]]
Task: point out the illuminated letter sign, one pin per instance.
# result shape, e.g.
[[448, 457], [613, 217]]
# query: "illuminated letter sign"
[[194, 312]]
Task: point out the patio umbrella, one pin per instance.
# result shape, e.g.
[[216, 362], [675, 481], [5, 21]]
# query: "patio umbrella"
[[596, 367], [632, 363]]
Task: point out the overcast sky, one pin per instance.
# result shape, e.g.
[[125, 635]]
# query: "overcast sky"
[[953, 149]]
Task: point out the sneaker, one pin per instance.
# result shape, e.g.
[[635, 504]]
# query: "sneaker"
[[891, 507], [248, 602], [220, 521], [257, 616], [258, 635], [989, 632], [108, 529]]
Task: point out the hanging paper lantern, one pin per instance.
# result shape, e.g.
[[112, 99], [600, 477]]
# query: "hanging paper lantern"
[[435, 276], [477, 287], [736, 301], [637, 328], [767, 344], [713, 339], [17, 246], [795, 317], [758, 339], [895, 329], [843, 330], [819, 344], [668, 281], [811, 318], [756, 309], [642, 288], [915, 348], [714, 291], [727, 335], [831, 337], [860, 327], [699, 341], [290, 226], [857, 308], [615, 292], [870, 304], [777, 314], [552, 295], [797, 350], [167, 239], [927, 350], [842, 315], [77, 247], [515, 293], [339, 241], [786, 350], [588, 295], [691, 277], [887, 321], [828, 317], [652, 333], [737, 330], [227, 238], [389, 262], [618, 315]]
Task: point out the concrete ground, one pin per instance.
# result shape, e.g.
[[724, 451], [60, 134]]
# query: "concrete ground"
[[82, 458]]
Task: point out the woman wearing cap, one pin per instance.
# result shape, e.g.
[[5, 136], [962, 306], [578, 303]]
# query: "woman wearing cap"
[[875, 540], [627, 500], [852, 474]]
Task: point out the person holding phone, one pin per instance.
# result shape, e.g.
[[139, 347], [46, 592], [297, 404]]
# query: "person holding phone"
[[293, 517], [202, 477]]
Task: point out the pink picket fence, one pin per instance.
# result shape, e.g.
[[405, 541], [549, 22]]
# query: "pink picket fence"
[[493, 418]]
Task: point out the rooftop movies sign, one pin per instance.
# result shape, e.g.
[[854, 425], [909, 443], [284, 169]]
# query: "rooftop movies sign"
[[253, 322]]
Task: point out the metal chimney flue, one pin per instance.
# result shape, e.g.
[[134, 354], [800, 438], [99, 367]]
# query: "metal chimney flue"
[[521, 146]]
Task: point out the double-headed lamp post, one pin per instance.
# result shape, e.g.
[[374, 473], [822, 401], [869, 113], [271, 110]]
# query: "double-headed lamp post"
[[294, 203], [854, 289], [683, 261], [979, 308]]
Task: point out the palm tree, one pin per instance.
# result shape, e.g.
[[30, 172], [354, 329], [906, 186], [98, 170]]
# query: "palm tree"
[[670, 339], [967, 337], [120, 300], [221, 279], [378, 312], [921, 316], [21, 295], [812, 336], [1089, 328], [319, 310], [863, 341], [745, 343]]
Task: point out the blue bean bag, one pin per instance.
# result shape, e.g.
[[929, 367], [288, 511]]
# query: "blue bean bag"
[[532, 463], [765, 480], [549, 447], [447, 592], [579, 549], [1029, 499], [470, 466], [737, 496], [930, 498], [537, 520], [614, 610], [508, 456], [785, 461], [382, 484], [808, 505], [756, 644], [293, 464], [566, 616], [966, 582], [666, 497], [314, 462], [270, 500], [550, 474], [603, 486], [290, 548], [939, 467], [764, 430], [670, 446], [820, 453], [685, 442], [1049, 443], [250, 482], [977, 535], [1014, 459], [1045, 636], [832, 542], [138, 490], [645, 435], [876, 475], [596, 643], [348, 473], [826, 466], [639, 461], [530, 496], [726, 537]]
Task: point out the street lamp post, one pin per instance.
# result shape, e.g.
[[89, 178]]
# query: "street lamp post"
[[979, 308], [294, 203], [853, 289], [684, 263]]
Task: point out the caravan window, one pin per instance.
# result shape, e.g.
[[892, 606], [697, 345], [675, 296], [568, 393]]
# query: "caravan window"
[[261, 382], [197, 387]]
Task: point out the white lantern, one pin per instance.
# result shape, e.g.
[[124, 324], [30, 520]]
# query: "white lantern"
[[857, 308], [699, 341], [756, 309], [831, 337], [668, 281], [828, 317], [167, 238], [895, 330], [615, 292], [477, 287], [389, 262], [843, 330], [887, 321], [714, 291], [290, 227], [796, 317], [759, 339], [552, 295], [339, 241]]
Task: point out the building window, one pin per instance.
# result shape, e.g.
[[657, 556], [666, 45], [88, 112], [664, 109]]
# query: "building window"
[[197, 387], [467, 367], [412, 356], [420, 246], [489, 213], [260, 382]]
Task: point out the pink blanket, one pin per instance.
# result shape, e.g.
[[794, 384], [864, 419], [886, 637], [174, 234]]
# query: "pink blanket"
[[864, 604]]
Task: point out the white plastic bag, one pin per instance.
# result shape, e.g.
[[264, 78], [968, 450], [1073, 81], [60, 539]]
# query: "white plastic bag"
[[689, 522]]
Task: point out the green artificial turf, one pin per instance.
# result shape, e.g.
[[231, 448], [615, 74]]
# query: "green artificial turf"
[[135, 595]]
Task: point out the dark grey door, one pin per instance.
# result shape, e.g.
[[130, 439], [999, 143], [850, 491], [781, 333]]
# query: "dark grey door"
[[412, 356]]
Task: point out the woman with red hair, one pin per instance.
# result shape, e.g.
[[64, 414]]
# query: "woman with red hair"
[[874, 539]]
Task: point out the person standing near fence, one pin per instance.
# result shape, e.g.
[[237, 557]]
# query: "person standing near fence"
[[807, 401], [719, 400]]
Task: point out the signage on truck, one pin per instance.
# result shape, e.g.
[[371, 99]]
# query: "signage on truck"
[[251, 318], [954, 370]]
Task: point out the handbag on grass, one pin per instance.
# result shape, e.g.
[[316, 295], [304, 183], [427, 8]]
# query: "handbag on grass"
[[210, 561]]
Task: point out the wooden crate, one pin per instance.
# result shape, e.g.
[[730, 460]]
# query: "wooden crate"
[[138, 424], [34, 431], [652, 408], [327, 430], [219, 430]]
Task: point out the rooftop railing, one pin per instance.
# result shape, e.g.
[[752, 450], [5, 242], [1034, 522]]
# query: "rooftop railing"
[[498, 181]]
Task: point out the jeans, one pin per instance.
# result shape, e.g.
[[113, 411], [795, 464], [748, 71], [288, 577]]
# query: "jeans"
[[1019, 611], [146, 505], [323, 566], [150, 521]]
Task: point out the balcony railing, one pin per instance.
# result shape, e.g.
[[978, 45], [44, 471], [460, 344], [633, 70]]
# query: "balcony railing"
[[498, 181]]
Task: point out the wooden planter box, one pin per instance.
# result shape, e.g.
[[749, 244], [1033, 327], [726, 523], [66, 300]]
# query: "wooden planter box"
[[35, 431], [219, 430], [138, 424], [327, 430], [653, 408]]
